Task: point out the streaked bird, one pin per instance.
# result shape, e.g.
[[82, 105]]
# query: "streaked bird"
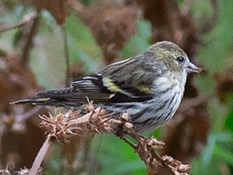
[[148, 86]]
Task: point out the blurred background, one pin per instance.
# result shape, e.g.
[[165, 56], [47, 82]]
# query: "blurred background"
[[46, 44]]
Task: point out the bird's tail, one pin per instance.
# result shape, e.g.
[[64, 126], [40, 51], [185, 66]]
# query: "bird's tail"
[[34, 100], [49, 98]]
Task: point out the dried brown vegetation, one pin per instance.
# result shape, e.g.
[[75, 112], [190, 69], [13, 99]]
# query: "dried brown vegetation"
[[62, 127]]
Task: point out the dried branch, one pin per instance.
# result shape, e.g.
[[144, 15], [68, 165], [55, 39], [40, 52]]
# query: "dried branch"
[[67, 56], [29, 42], [28, 114], [146, 151], [64, 126], [26, 19], [41, 155], [60, 126], [97, 120]]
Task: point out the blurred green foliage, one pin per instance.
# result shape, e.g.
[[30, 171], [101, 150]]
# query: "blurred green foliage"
[[139, 42], [215, 55]]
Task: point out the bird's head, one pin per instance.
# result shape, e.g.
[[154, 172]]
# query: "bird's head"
[[174, 58]]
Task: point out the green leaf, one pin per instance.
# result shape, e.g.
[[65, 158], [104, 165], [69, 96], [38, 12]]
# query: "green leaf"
[[229, 121], [218, 41], [48, 60], [223, 137], [131, 166], [117, 157], [223, 154], [82, 44], [139, 42], [77, 54], [207, 152]]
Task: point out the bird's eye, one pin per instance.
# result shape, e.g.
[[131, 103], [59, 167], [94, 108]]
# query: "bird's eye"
[[180, 59]]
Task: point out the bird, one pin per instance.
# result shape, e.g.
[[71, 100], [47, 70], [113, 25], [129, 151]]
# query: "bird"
[[149, 87]]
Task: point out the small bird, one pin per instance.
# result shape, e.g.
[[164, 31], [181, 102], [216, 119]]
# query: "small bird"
[[148, 86]]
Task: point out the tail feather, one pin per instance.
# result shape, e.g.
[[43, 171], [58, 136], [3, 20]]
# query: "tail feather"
[[51, 98], [35, 100]]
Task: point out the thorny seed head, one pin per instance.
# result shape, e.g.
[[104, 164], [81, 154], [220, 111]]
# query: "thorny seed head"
[[128, 125], [125, 117], [176, 166], [26, 171], [153, 166], [156, 144], [184, 168], [99, 121], [61, 126], [89, 106], [5, 172]]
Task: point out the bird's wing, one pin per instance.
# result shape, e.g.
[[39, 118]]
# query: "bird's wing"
[[111, 85], [103, 89], [90, 87]]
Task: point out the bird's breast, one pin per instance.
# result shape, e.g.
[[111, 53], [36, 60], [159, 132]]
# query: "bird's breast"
[[165, 83]]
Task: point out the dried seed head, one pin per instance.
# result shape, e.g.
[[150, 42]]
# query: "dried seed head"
[[184, 168], [61, 126], [89, 106], [125, 117], [156, 144], [128, 125], [5, 172]]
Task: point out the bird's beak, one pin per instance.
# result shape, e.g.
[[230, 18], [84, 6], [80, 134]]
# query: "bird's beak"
[[193, 68]]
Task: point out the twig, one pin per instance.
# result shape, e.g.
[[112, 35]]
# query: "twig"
[[26, 115], [26, 19], [146, 151], [29, 42], [67, 56], [40, 156]]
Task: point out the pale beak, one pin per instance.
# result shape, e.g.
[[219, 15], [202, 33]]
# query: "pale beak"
[[193, 68]]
